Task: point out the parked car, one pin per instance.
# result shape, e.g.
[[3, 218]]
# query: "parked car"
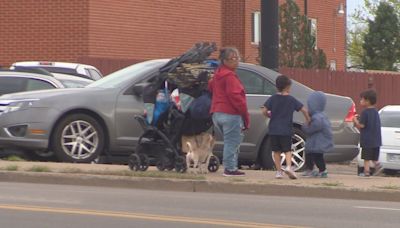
[[76, 69], [389, 155], [26, 79], [80, 124]]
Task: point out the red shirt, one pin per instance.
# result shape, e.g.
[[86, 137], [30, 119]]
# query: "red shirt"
[[228, 94]]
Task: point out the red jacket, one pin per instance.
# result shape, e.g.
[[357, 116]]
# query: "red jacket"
[[228, 94]]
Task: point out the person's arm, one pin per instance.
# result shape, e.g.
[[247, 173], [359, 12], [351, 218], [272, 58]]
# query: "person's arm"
[[357, 123], [316, 124], [306, 115]]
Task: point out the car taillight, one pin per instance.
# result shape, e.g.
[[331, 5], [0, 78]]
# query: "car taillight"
[[351, 114], [46, 63]]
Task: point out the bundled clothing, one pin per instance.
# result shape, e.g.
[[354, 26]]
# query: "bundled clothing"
[[319, 132]]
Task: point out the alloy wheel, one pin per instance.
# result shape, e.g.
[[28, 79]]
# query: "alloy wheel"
[[79, 139]]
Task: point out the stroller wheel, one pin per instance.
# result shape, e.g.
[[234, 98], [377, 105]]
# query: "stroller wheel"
[[144, 162], [180, 164], [134, 162], [213, 166]]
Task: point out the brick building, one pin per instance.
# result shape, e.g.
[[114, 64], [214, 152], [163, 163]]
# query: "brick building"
[[112, 34]]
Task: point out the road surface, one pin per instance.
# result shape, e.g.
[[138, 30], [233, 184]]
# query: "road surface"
[[63, 206]]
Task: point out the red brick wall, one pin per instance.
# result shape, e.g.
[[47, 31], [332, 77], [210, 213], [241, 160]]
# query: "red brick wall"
[[144, 29], [331, 34], [43, 30], [233, 24], [251, 53]]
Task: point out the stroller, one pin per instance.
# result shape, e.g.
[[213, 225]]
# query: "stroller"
[[165, 122]]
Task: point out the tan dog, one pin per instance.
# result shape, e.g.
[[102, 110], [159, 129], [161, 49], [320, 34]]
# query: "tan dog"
[[199, 150]]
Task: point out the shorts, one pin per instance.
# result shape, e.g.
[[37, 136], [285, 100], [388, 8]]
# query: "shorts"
[[370, 154], [280, 143]]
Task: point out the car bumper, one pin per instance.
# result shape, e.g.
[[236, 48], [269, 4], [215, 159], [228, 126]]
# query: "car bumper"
[[35, 124], [346, 141], [384, 159]]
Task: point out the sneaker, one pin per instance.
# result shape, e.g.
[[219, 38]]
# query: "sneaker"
[[279, 175], [364, 175], [307, 173], [378, 169], [290, 173], [323, 174], [235, 173]]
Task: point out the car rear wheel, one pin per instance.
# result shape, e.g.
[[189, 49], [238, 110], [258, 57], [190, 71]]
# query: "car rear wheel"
[[78, 138]]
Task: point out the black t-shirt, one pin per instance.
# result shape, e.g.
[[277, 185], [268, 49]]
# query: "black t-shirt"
[[282, 108], [370, 135]]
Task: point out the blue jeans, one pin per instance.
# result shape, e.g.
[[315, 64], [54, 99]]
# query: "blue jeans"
[[230, 126]]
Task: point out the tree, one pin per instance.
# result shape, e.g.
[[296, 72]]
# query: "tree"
[[382, 42], [359, 27], [297, 44], [290, 22]]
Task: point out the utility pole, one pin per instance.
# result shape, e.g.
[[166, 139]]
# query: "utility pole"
[[270, 34]]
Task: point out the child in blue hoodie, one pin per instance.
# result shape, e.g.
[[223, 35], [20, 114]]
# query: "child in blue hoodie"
[[319, 132]]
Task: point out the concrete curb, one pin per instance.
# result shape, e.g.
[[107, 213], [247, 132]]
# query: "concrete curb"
[[197, 186]]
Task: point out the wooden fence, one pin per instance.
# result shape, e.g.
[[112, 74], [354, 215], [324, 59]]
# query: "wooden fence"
[[350, 84]]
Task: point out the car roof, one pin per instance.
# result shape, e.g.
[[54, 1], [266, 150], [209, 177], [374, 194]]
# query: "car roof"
[[391, 108], [52, 64], [71, 77]]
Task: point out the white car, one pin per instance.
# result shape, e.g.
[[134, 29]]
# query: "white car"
[[76, 69], [390, 151]]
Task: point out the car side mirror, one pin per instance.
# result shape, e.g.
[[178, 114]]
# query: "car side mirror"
[[138, 89]]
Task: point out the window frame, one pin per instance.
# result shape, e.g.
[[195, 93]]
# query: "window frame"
[[256, 27], [257, 74]]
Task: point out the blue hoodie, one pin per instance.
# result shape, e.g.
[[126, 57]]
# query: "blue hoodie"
[[319, 132]]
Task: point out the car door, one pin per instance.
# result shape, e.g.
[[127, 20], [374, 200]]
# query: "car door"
[[128, 106], [258, 90]]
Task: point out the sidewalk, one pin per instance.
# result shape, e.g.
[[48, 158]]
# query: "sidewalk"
[[255, 182]]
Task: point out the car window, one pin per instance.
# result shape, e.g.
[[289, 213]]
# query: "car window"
[[390, 119], [255, 84], [126, 75], [94, 74], [74, 84], [36, 84], [11, 85]]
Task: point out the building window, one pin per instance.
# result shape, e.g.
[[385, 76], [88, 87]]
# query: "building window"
[[256, 27], [332, 65], [313, 30]]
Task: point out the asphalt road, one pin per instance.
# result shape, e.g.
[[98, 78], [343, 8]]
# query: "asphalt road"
[[62, 206]]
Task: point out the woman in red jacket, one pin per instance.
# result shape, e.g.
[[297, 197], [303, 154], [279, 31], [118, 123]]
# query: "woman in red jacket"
[[229, 108]]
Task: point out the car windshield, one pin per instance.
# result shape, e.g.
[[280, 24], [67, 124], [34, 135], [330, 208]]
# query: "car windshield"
[[74, 84], [390, 119], [126, 75]]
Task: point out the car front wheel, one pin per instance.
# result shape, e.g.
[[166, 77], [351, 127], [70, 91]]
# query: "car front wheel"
[[78, 138]]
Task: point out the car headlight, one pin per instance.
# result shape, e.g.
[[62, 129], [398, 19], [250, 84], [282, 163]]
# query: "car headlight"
[[15, 105]]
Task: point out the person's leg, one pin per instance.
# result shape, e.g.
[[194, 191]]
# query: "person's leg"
[[377, 164], [320, 162], [277, 160], [309, 162], [230, 126], [366, 156]]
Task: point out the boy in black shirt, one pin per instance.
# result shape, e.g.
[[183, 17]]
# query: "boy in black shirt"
[[370, 132], [280, 108]]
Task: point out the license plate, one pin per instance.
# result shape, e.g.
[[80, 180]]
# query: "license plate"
[[393, 158]]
